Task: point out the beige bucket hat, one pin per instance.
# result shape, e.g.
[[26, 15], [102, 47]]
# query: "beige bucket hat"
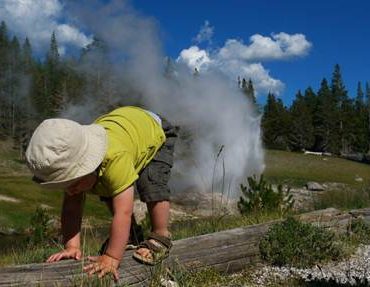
[[61, 151]]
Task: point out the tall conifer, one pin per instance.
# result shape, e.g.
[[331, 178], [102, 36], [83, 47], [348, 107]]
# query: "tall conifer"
[[343, 111], [301, 134], [360, 122], [275, 123]]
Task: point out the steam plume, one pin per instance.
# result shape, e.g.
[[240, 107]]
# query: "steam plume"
[[209, 107]]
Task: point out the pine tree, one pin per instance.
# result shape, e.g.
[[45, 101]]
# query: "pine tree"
[[248, 90], [326, 122], [26, 58], [25, 116], [367, 95], [343, 111], [53, 54], [301, 135], [360, 121], [4, 45], [53, 75], [97, 75], [4, 65], [359, 98], [14, 84], [275, 123], [169, 69]]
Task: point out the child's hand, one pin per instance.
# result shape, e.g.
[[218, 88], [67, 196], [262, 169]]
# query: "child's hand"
[[69, 252], [103, 264]]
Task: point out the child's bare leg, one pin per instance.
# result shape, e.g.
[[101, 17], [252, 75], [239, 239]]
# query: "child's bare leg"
[[159, 212]]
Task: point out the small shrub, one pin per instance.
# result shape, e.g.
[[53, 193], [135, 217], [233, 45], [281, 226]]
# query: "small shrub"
[[298, 244], [259, 196], [41, 229], [359, 231]]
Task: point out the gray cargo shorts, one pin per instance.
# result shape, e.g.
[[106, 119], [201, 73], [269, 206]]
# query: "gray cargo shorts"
[[152, 184]]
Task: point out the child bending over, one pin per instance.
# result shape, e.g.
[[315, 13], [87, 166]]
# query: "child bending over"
[[125, 148]]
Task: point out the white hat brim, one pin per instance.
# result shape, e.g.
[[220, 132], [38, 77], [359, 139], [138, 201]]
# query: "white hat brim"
[[96, 148]]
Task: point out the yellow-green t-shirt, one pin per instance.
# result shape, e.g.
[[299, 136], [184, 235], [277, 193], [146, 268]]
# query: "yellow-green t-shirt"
[[134, 137]]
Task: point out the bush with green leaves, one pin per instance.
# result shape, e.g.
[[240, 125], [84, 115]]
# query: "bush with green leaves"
[[298, 244], [359, 231], [41, 230], [258, 195]]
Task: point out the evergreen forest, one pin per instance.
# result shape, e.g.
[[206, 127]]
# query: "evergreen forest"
[[32, 89]]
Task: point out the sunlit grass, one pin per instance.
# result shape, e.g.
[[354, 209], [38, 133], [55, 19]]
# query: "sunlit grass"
[[344, 199], [297, 169], [22, 252], [17, 214], [200, 226]]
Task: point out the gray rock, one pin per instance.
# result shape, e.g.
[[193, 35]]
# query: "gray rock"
[[314, 186]]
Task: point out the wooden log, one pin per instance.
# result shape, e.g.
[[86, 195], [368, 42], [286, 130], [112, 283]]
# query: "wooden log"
[[227, 251]]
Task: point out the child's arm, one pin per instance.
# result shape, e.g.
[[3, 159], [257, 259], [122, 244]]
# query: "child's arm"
[[119, 233], [71, 225]]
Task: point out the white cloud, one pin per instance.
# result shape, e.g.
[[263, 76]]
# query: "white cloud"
[[194, 57], [277, 47], [37, 19], [237, 59], [67, 33], [205, 34], [262, 80]]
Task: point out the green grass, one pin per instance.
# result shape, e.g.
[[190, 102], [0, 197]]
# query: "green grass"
[[24, 252], [17, 215], [344, 199], [281, 167], [200, 226], [297, 169]]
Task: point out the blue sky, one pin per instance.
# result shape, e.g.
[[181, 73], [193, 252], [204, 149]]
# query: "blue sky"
[[338, 30], [283, 45]]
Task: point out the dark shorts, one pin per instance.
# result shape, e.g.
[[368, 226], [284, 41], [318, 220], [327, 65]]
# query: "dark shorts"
[[152, 184]]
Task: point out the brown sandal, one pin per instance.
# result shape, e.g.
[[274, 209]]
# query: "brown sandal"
[[159, 249]]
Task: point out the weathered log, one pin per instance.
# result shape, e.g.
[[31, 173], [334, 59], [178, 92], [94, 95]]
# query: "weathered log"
[[227, 251]]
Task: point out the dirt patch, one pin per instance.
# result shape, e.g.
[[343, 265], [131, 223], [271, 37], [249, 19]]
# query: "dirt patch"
[[9, 199]]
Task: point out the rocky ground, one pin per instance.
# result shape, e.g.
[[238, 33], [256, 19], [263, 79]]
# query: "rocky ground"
[[354, 271]]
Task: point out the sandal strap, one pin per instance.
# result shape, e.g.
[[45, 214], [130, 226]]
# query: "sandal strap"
[[165, 241], [149, 245]]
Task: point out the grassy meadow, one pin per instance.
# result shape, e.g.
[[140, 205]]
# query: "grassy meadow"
[[297, 169], [17, 214], [294, 169], [16, 183]]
